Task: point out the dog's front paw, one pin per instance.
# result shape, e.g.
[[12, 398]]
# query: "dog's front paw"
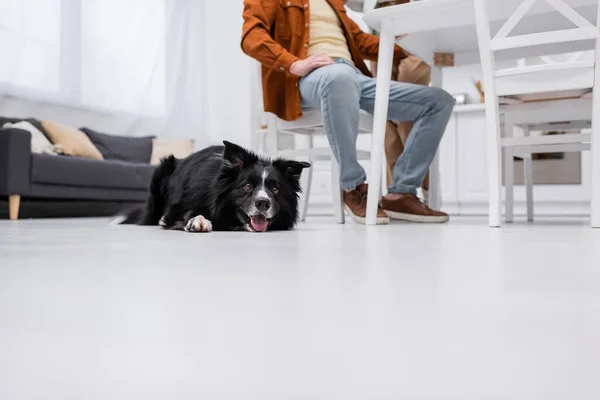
[[198, 224]]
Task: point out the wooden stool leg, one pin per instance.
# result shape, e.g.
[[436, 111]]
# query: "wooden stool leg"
[[14, 200]]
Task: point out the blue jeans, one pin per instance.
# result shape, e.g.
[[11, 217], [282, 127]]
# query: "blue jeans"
[[340, 90]]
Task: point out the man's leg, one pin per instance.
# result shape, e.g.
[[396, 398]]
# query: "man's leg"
[[393, 147], [411, 70], [335, 89], [430, 110]]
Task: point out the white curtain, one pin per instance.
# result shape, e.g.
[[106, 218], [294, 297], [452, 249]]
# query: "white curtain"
[[133, 67]]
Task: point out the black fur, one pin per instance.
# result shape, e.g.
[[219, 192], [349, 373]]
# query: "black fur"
[[222, 183]]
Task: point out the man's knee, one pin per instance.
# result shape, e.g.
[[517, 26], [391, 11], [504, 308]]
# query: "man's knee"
[[440, 98], [340, 78]]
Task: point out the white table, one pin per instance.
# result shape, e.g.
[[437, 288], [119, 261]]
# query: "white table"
[[442, 26]]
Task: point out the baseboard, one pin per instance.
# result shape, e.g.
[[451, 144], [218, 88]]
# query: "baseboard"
[[541, 208], [321, 205]]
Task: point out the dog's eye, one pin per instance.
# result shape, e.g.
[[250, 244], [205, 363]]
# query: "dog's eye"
[[248, 187], [275, 190]]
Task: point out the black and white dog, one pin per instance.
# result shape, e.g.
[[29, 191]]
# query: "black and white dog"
[[222, 188]]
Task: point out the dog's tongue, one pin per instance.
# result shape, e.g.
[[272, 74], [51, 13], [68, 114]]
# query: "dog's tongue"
[[259, 223]]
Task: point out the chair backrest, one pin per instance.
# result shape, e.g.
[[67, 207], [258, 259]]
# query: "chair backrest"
[[571, 72]]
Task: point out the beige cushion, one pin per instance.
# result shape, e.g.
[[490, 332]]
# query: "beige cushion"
[[72, 141], [161, 148]]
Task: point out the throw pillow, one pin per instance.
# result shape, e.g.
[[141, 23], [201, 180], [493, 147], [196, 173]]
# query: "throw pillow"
[[122, 148], [6, 120], [161, 148], [39, 143], [32, 121], [73, 141]]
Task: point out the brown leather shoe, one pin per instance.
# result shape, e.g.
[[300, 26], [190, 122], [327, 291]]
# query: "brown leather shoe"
[[355, 202], [408, 207]]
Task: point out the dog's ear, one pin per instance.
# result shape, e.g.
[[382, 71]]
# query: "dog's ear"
[[292, 169], [237, 156]]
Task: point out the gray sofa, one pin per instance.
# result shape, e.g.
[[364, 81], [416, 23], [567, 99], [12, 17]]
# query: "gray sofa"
[[24, 175]]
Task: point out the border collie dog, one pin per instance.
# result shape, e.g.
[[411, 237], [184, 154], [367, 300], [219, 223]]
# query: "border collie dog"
[[222, 188]]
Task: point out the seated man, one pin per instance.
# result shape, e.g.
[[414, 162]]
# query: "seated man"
[[313, 56]]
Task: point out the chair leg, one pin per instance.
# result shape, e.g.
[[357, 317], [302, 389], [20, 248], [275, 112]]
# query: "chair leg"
[[509, 184], [596, 162], [14, 201], [304, 200], [272, 137], [595, 145], [528, 171], [306, 184], [384, 185], [336, 193], [255, 139], [528, 177]]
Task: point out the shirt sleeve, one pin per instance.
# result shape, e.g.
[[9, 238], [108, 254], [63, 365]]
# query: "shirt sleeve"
[[257, 42]]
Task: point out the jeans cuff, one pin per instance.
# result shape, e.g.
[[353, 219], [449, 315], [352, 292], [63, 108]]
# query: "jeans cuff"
[[352, 185], [401, 189]]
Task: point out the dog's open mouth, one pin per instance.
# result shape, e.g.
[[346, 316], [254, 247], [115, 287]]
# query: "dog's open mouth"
[[259, 222], [254, 223]]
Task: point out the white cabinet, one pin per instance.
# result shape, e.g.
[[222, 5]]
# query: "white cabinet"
[[463, 163], [447, 154], [463, 169]]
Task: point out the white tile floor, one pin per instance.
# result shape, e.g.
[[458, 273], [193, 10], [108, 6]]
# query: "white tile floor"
[[458, 311]]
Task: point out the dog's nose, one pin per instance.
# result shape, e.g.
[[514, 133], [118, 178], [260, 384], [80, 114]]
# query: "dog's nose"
[[262, 204]]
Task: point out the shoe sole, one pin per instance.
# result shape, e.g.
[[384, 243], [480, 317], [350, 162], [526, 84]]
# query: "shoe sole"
[[431, 219], [363, 220]]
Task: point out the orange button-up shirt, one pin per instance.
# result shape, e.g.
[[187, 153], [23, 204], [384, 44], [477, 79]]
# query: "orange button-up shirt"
[[276, 33]]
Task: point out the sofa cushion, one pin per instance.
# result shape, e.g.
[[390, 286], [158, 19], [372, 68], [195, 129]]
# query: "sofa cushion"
[[76, 171], [72, 141], [122, 148], [35, 122]]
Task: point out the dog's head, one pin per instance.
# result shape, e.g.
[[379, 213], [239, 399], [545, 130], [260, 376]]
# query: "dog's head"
[[263, 192]]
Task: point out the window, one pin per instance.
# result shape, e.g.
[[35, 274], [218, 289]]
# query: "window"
[[123, 47], [30, 44], [101, 54]]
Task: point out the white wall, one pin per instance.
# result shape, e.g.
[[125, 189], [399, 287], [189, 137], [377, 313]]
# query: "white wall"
[[103, 121], [229, 74]]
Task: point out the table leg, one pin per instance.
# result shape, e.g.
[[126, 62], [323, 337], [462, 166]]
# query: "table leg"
[[435, 187], [382, 98]]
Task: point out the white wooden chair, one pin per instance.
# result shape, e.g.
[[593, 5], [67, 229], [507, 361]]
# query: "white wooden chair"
[[544, 78], [572, 116], [305, 129]]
